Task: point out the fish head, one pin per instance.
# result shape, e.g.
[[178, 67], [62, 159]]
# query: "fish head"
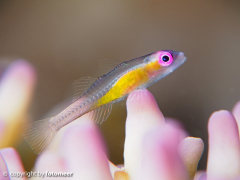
[[165, 61], [169, 58]]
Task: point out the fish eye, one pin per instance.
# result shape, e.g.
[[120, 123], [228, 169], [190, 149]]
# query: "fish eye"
[[165, 58]]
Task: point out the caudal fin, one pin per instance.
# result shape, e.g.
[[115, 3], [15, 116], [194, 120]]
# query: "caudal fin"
[[38, 134]]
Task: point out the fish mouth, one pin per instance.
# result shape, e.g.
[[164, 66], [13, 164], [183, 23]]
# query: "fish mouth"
[[179, 58]]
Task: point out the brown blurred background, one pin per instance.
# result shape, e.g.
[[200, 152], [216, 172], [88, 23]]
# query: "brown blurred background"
[[65, 39]]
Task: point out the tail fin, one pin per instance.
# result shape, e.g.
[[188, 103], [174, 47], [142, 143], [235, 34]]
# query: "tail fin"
[[38, 134]]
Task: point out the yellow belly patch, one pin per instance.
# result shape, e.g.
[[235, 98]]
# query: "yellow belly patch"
[[126, 84]]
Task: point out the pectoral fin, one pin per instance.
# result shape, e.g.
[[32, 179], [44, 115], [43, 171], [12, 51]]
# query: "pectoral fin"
[[100, 114]]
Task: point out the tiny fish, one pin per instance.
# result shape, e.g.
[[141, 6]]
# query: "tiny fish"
[[95, 96]]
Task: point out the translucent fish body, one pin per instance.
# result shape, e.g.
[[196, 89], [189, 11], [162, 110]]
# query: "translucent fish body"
[[97, 100]]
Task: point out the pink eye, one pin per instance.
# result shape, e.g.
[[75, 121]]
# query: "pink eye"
[[165, 59]]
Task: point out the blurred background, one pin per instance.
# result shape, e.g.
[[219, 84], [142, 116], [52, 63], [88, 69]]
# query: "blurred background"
[[64, 40]]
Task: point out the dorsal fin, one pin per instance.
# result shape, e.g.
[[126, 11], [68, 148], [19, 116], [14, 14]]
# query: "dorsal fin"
[[106, 65], [81, 85], [100, 114]]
